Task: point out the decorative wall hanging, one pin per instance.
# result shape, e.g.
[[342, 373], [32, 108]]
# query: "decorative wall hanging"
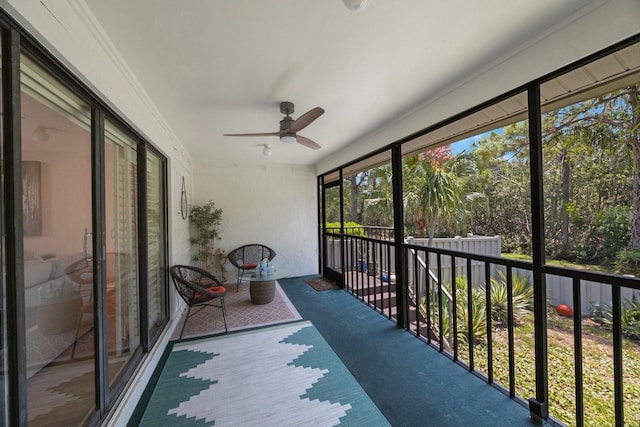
[[31, 199], [183, 201]]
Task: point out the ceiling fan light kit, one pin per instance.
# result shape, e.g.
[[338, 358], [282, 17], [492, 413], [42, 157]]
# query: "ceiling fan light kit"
[[355, 5], [40, 134], [289, 127], [288, 138]]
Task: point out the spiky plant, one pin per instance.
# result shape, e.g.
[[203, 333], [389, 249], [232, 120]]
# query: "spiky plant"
[[522, 297]]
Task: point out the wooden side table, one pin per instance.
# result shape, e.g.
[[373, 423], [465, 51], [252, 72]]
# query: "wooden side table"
[[263, 288]]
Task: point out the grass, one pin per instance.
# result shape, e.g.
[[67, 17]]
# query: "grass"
[[597, 368], [561, 263]]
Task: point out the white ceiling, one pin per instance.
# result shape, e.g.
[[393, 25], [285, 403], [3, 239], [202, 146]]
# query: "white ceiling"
[[223, 66]]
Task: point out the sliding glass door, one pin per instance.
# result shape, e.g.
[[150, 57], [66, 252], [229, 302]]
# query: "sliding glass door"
[[58, 258], [122, 296], [156, 243]]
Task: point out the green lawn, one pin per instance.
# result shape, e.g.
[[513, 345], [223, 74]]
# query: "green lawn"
[[597, 369], [562, 263]]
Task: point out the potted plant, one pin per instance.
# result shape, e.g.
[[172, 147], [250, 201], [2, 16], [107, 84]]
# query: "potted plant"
[[205, 221]]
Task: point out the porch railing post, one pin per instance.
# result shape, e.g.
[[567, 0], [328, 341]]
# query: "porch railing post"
[[538, 406], [402, 298]]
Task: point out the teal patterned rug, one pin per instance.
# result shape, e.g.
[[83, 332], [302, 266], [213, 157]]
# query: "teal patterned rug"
[[284, 375]]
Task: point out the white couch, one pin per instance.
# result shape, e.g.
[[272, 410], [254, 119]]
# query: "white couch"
[[52, 306]]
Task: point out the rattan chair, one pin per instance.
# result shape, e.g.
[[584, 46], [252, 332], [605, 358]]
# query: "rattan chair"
[[247, 258], [81, 273], [198, 287]]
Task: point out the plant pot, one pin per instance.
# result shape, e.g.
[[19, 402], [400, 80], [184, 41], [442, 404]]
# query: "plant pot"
[[371, 268]]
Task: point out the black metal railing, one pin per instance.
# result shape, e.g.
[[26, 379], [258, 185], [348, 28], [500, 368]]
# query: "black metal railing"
[[369, 272], [454, 285], [372, 232], [455, 307]]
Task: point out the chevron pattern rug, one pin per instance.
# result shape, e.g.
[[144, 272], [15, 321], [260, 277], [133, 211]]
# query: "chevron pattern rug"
[[285, 375]]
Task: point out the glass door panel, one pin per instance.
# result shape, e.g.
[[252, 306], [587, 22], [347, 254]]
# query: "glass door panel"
[[157, 269], [121, 189], [58, 271], [331, 245]]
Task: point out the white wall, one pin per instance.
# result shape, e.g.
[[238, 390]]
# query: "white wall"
[[275, 206], [605, 24]]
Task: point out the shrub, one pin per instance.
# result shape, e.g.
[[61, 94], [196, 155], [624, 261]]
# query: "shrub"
[[351, 228], [478, 312], [522, 297], [613, 226], [629, 318], [628, 262], [522, 304]]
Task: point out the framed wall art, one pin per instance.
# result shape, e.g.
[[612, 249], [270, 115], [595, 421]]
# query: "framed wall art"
[[31, 198]]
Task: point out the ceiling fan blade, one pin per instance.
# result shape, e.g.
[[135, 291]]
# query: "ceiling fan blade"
[[253, 134], [305, 120], [307, 142]]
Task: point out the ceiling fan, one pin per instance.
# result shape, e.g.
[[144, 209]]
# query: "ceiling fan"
[[289, 127]]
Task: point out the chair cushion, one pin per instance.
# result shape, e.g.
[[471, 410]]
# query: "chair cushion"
[[249, 266], [198, 298]]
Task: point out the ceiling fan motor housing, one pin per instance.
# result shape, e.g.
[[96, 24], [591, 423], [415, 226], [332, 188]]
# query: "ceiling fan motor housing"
[[287, 108], [285, 124], [285, 135]]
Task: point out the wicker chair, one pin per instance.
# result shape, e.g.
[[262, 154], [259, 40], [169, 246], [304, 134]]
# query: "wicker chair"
[[81, 272], [247, 258], [198, 288]]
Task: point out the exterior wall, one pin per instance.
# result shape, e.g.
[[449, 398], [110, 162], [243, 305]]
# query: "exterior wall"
[[275, 206], [599, 26]]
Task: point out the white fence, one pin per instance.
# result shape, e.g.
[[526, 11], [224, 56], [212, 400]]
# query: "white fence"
[[559, 289], [333, 254], [482, 245], [335, 263]]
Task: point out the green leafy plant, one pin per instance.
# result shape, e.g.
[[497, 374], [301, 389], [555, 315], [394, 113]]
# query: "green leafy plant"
[[478, 312], [350, 227], [205, 221], [628, 262], [613, 225], [629, 318], [522, 297]]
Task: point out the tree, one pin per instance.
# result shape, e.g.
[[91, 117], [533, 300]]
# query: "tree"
[[500, 173], [432, 194], [595, 144], [633, 139], [378, 197]]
